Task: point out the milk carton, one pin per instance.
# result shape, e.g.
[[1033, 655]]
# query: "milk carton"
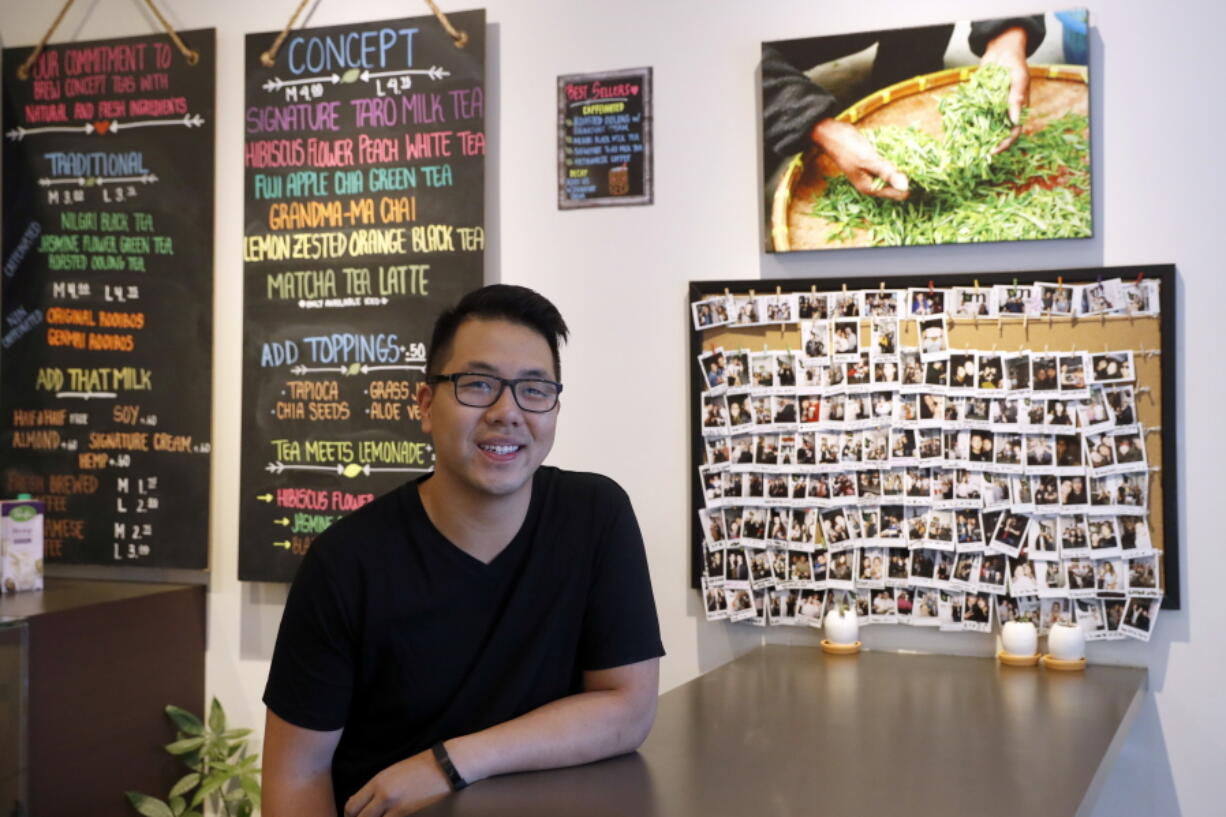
[[21, 545]]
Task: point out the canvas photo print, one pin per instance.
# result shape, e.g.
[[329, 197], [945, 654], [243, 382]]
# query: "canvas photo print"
[[960, 132]]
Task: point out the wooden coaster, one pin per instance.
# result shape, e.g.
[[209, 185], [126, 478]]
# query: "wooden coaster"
[[1011, 660], [840, 649], [1051, 662]]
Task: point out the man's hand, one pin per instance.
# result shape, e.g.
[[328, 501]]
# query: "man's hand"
[[402, 788], [1008, 49], [863, 166]]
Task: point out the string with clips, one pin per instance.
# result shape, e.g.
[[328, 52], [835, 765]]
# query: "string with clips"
[[269, 57], [191, 55]]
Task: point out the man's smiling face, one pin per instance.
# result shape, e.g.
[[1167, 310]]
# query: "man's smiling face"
[[493, 450]]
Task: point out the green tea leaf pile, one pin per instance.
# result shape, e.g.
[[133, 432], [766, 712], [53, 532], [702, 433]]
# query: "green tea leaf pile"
[[960, 192]]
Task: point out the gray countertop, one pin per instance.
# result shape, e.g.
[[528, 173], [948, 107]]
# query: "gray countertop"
[[790, 731]]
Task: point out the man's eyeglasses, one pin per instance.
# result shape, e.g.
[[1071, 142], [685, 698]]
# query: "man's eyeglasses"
[[484, 390]]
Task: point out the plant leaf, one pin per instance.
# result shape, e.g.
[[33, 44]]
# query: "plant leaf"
[[148, 806], [217, 717], [184, 721], [177, 805], [235, 734], [186, 783], [182, 747], [210, 785]]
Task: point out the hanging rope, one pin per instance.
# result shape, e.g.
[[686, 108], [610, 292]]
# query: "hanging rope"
[[23, 70], [269, 58], [460, 37], [191, 56]]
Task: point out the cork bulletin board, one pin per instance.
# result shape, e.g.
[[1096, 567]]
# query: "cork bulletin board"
[[1149, 337]]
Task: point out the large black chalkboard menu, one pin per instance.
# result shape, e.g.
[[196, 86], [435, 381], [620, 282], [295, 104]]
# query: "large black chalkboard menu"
[[604, 139], [365, 168], [106, 355]]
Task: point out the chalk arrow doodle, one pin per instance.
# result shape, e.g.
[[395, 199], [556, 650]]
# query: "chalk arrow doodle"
[[276, 83], [282, 544], [407, 366], [87, 395], [434, 72], [18, 133], [93, 181], [264, 497], [305, 369], [191, 120]]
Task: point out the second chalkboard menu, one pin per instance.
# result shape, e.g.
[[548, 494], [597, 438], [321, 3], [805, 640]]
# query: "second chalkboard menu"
[[106, 361], [604, 139], [365, 170]]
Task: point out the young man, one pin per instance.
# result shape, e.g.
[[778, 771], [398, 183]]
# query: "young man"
[[493, 616]]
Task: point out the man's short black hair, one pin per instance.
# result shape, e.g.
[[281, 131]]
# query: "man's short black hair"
[[507, 302]]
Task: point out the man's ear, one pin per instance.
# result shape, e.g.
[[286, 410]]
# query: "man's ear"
[[425, 402]]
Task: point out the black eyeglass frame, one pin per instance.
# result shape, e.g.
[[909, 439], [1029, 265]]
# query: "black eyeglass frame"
[[503, 382]]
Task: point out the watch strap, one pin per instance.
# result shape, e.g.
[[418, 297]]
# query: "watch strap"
[[456, 780]]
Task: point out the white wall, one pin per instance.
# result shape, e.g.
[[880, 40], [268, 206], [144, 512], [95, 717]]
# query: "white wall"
[[619, 278]]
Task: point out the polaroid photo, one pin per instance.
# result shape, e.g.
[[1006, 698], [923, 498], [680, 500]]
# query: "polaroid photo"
[[760, 568], [936, 372], [778, 558], [972, 302], [811, 375], [714, 533], [915, 526], [754, 487], [784, 411], [736, 370], [1017, 301], [759, 602], [806, 444], [1056, 299], [815, 339], [1017, 372], [845, 304], [1072, 369], [1023, 494], [1081, 577], [881, 607], [1092, 618], [733, 522], [1033, 414], [885, 338], [1073, 496], [1131, 492], [923, 567], [714, 415], [859, 373], [762, 370], [1019, 609], [1134, 535], [1101, 298], [904, 604], [1114, 611], [777, 488], [951, 442], [713, 568], [839, 575], [762, 414], [912, 369], [1008, 454], [745, 311], [753, 527], [944, 568], [882, 407], [1110, 576], [1074, 536], [809, 607], [990, 375], [1044, 378], [1053, 581], [933, 337], [1144, 576], [968, 488], [924, 613], [881, 303], [835, 376], [969, 536], [851, 447], [926, 302], [785, 371], [931, 407], [870, 568], [906, 410], [1140, 297], [712, 477], [1122, 403], [1129, 451], [783, 603], [766, 449], [1054, 611], [1040, 453], [939, 530], [977, 613], [777, 307], [1070, 454], [1005, 413], [777, 531], [797, 483], [1109, 368], [993, 573], [800, 567], [997, 491], [1060, 415], [963, 368], [966, 571], [1092, 413], [836, 530], [1022, 578], [715, 600], [929, 444], [980, 448], [943, 491], [742, 448], [740, 413], [739, 602], [917, 486], [845, 340], [868, 488], [714, 368], [812, 305], [897, 567], [717, 450], [1139, 617], [833, 411], [950, 610], [1043, 544], [710, 312], [886, 373], [974, 412], [1104, 537], [821, 567], [734, 487]]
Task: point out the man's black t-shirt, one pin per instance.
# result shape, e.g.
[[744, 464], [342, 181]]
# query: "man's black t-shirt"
[[397, 636]]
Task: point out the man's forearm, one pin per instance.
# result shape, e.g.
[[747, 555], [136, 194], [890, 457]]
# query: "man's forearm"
[[577, 729]]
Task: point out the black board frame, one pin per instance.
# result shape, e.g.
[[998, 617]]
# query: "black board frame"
[[1168, 320]]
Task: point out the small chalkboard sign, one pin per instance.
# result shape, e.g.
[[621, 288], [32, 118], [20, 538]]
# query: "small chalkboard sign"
[[106, 358], [365, 212], [604, 139]]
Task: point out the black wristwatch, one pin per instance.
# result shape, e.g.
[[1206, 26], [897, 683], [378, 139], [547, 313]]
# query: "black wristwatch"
[[444, 761]]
